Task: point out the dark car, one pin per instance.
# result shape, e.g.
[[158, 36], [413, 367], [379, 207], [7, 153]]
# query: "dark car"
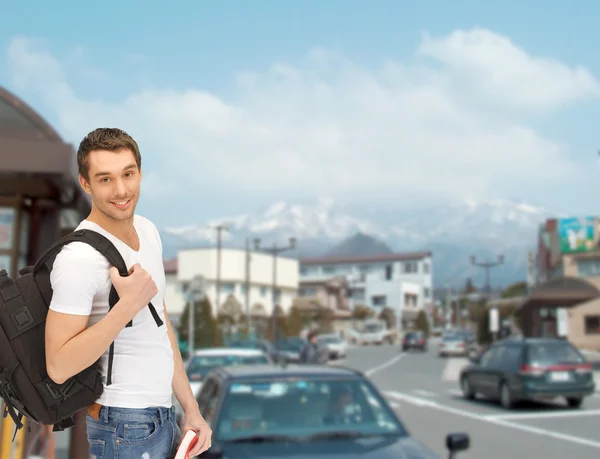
[[518, 369], [299, 411], [261, 344], [414, 340], [290, 348]]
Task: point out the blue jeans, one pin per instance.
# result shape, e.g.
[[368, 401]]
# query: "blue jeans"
[[148, 433]]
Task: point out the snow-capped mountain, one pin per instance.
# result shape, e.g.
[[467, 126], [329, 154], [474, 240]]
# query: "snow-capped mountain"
[[452, 232]]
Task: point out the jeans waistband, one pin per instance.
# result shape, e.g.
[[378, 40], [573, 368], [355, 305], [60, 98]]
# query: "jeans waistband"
[[159, 413]]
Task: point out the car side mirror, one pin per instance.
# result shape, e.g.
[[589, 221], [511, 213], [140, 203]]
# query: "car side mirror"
[[456, 442]]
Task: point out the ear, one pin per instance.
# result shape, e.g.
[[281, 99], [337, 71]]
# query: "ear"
[[85, 184]]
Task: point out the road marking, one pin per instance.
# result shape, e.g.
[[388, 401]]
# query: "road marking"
[[455, 392], [499, 422], [453, 368], [424, 393], [550, 414], [383, 366]]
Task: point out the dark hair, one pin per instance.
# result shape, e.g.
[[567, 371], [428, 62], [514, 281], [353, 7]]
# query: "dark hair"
[[312, 334], [111, 139]]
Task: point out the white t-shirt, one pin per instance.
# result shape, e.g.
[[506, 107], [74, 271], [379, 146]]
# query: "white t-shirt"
[[143, 367]]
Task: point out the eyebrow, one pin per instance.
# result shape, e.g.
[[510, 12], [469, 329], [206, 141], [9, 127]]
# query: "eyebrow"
[[126, 168]]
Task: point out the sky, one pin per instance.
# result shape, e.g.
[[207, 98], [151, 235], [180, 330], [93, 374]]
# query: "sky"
[[237, 105]]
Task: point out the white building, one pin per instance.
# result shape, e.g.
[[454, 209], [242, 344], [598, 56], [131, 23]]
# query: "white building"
[[398, 281], [203, 261]]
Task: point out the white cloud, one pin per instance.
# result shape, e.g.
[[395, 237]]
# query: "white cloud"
[[326, 126]]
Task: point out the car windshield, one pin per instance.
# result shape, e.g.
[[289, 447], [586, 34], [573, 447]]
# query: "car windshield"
[[553, 352], [200, 365], [303, 407], [289, 345], [412, 335], [369, 328]]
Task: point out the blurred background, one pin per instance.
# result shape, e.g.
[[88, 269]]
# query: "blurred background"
[[396, 176]]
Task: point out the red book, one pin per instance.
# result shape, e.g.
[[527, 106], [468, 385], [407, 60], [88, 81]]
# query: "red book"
[[187, 443]]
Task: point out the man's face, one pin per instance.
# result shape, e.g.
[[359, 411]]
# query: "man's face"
[[114, 183]]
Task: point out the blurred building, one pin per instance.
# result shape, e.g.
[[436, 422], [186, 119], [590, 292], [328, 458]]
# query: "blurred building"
[[233, 280], [400, 281], [564, 299], [40, 200]]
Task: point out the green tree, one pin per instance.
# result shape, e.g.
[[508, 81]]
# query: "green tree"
[[281, 326], [361, 312], [324, 319], [421, 323], [295, 321], [517, 289], [389, 317], [205, 326]]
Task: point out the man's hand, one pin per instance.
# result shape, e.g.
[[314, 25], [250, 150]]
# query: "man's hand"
[[193, 420]]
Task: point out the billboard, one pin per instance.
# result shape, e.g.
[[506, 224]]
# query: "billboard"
[[576, 234]]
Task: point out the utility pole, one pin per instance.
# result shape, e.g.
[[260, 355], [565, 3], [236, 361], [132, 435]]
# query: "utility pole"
[[247, 296], [487, 265], [275, 250], [219, 228], [448, 308]]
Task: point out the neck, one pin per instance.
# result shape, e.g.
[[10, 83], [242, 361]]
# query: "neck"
[[118, 228]]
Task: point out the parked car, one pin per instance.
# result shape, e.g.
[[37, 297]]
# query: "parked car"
[[261, 344], [203, 361], [516, 369], [305, 411], [290, 348], [414, 340], [335, 345], [453, 343]]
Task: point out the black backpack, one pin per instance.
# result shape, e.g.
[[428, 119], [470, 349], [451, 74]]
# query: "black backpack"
[[24, 383]]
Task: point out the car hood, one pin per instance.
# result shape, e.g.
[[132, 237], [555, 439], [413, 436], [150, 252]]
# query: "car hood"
[[366, 448]]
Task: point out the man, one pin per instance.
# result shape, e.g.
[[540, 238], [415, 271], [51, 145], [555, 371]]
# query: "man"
[[310, 351], [134, 417]]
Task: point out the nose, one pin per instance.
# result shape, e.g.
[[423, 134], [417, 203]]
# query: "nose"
[[119, 188]]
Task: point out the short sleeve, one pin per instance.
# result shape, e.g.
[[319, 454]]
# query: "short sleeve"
[[78, 272]]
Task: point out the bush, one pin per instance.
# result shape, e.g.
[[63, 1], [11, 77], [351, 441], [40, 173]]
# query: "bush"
[[422, 323]]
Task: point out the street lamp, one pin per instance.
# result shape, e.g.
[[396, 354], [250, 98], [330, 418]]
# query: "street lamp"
[[275, 250], [487, 265], [195, 292], [219, 228]]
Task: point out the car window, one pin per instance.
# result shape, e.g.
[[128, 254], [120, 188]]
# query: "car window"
[[208, 399], [302, 407], [200, 365], [497, 359], [552, 353], [513, 356], [486, 357]]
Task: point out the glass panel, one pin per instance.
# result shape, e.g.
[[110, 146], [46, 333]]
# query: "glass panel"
[[302, 407], [5, 261], [7, 223]]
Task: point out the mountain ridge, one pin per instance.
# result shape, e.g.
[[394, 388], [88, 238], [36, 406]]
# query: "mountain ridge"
[[452, 232]]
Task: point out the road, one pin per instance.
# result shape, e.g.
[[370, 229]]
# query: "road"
[[424, 391]]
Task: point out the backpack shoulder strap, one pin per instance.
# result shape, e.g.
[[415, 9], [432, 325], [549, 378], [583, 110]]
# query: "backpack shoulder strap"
[[103, 245]]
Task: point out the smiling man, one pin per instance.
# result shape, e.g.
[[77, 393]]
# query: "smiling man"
[[134, 416]]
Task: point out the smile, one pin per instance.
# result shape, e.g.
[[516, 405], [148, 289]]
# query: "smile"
[[121, 204]]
